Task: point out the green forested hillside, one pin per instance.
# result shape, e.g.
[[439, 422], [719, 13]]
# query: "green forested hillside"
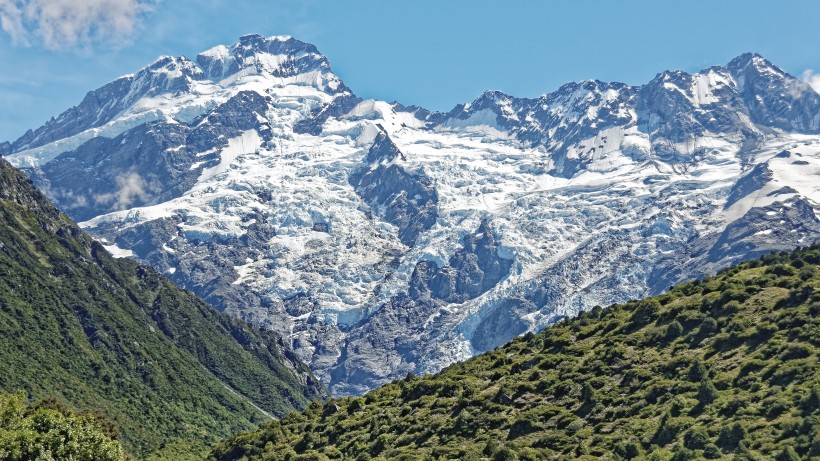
[[109, 335], [724, 368]]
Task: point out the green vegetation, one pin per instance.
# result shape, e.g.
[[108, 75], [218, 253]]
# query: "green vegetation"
[[51, 432], [108, 335], [723, 368]]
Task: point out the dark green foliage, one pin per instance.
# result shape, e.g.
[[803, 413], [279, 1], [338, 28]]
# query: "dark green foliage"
[[683, 454], [788, 454], [731, 436], [707, 392], [628, 450], [112, 336], [696, 438], [811, 404], [674, 330], [48, 431], [708, 328], [697, 372], [711, 451], [740, 379]]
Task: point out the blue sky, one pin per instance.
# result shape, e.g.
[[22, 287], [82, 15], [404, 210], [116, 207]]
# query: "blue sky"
[[430, 53]]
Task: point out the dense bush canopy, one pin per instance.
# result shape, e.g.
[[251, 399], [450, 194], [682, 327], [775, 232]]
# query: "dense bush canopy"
[[51, 432]]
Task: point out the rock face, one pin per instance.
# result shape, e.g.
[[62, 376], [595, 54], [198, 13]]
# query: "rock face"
[[773, 97], [473, 270], [381, 239], [403, 199]]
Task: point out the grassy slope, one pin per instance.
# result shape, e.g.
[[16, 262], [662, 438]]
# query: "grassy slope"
[[724, 368], [112, 336]]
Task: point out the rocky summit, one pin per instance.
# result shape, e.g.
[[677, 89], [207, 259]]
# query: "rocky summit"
[[381, 240]]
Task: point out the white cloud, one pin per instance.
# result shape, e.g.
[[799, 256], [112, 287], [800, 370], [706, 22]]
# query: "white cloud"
[[11, 20], [812, 78], [131, 187], [66, 24]]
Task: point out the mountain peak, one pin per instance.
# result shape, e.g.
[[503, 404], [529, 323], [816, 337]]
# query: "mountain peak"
[[754, 62], [583, 88], [278, 56], [281, 60], [493, 95], [284, 44], [383, 149], [255, 44], [172, 67], [774, 97], [249, 38]]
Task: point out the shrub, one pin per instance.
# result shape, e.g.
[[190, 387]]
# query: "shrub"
[[505, 454], [645, 312], [707, 392], [708, 327], [711, 451], [811, 404], [696, 438], [674, 330], [682, 454], [628, 450], [730, 437], [697, 372], [781, 270], [788, 454]]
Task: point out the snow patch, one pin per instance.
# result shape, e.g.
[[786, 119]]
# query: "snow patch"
[[118, 252]]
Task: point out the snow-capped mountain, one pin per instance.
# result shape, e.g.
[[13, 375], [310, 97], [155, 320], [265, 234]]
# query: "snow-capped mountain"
[[381, 239]]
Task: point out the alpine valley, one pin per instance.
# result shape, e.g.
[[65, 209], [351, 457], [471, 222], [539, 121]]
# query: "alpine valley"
[[380, 240]]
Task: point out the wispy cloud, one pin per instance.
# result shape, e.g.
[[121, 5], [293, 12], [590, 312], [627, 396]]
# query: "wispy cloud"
[[812, 78], [131, 187], [71, 24]]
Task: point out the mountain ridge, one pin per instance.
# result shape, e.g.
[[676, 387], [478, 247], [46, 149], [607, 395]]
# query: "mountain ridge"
[[271, 197]]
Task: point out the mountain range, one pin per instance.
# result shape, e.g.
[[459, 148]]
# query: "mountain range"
[[380, 239]]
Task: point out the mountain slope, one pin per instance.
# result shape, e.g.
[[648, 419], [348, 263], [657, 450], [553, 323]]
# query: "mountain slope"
[[379, 239], [723, 368], [113, 336]]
